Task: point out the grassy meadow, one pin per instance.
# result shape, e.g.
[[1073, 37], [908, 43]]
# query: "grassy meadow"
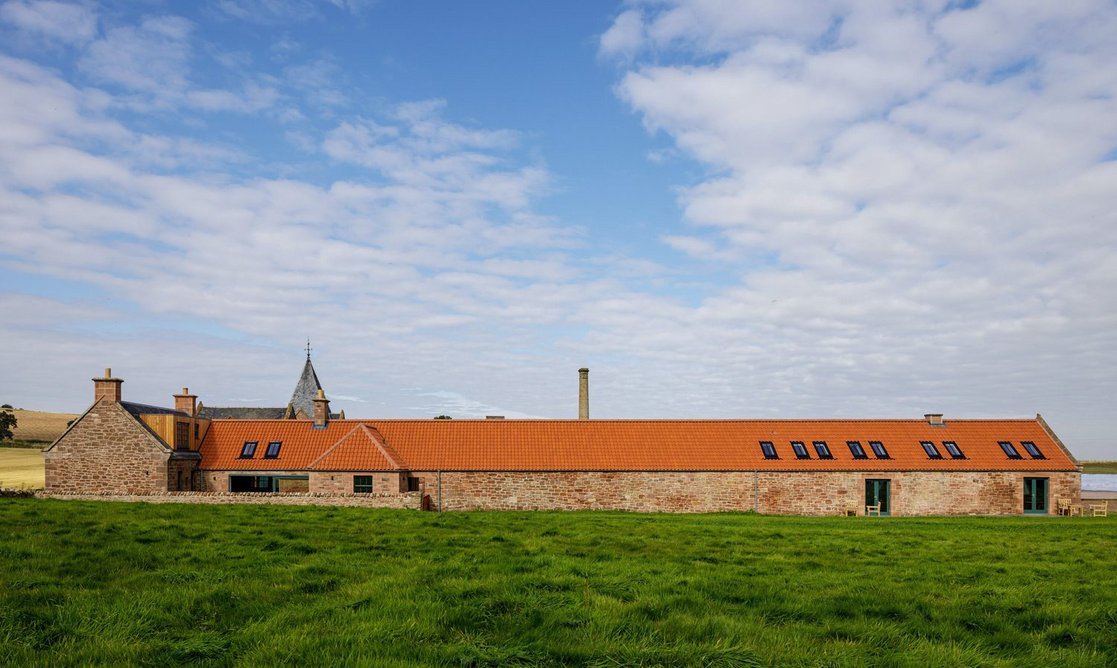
[[1099, 467], [21, 468], [134, 584]]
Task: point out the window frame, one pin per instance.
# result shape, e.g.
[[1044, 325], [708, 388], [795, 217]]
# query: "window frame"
[[768, 449], [931, 451], [248, 450], [951, 447], [1033, 451], [362, 484], [1010, 450], [857, 450], [824, 451], [879, 450], [273, 454], [800, 450]]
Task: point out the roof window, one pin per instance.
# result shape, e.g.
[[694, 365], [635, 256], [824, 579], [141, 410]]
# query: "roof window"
[[931, 450], [856, 449], [823, 450], [273, 450], [800, 450], [249, 449], [878, 450], [1033, 451], [952, 448], [769, 450], [1009, 450]]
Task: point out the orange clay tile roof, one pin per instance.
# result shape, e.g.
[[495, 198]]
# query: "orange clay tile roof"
[[623, 445]]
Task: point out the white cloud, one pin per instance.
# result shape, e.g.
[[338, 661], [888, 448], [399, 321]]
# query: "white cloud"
[[60, 21]]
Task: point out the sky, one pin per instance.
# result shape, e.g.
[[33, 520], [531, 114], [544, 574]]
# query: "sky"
[[724, 209]]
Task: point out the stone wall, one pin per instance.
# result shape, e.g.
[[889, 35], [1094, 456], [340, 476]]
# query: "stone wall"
[[789, 493], [181, 474], [107, 451], [328, 482], [400, 501]]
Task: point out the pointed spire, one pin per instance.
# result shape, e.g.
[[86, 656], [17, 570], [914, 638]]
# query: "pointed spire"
[[306, 390]]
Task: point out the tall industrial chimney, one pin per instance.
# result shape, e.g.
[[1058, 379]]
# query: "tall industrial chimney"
[[583, 394]]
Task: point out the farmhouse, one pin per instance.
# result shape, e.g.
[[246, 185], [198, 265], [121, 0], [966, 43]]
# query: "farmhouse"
[[927, 466]]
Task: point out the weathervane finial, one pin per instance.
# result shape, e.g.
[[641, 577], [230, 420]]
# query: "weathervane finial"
[[308, 349]]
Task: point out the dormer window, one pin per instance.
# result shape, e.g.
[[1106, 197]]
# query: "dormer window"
[[1033, 451], [1009, 449], [248, 451], [769, 450], [800, 450], [878, 450], [273, 450], [856, 450]]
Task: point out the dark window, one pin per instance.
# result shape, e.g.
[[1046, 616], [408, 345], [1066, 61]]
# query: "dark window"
[[823, 450], [1009, 450], [856, 450], [769, 450], [196, 430], [1035, 496], [800, 450], [412, 484], [182, 435], [878, 450], [249, 450], [931, 450], [1033, 451], [273, 450], [952, 448], [362, 484]]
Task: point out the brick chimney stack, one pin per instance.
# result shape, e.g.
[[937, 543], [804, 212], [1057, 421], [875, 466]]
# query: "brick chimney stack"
[[321, 410], [933, 419], [107, 388], [186, 402], [583, 394]]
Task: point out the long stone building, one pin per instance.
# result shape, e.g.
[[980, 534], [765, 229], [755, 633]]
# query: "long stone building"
[[927, 466]]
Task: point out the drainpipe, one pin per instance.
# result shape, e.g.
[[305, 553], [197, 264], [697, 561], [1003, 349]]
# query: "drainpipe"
[[440, 491], [756, 491]]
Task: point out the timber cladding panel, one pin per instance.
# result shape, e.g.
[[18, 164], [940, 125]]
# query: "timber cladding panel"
[[107, 452], [790, 493]]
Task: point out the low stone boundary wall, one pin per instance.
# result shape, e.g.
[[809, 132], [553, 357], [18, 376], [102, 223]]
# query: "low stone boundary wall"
[[408, 501]]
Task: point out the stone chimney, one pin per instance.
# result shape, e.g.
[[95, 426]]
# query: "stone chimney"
[[583, 394], [186, 402], [934, 419], [107, 387], [321, 410]]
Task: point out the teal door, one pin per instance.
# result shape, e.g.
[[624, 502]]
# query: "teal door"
[[879, 491], [1035, 496]]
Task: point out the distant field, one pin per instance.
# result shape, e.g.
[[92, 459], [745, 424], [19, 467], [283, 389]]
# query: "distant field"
[[134, 584], [21, 468], [1099, 467], [39, 426]]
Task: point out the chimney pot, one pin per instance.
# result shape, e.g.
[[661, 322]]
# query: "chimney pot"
[[583, 393]]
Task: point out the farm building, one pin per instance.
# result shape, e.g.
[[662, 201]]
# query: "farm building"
[[927, 466]]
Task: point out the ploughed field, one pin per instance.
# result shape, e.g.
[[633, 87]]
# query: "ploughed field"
[[116, 583]]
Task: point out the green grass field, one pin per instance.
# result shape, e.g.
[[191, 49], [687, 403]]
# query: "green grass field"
[[114, 583], [1099, 467]]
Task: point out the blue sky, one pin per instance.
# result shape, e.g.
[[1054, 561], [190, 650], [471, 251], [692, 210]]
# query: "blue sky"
[[764, 209]]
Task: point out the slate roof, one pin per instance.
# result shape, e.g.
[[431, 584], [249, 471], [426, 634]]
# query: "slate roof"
[[626, 445], [302, 399], [136, 410], [241, 413]]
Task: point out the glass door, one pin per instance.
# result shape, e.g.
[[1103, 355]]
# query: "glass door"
[[1035, 496], [878, 492]]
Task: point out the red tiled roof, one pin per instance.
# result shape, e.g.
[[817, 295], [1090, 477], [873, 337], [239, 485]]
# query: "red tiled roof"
[[623, 445]]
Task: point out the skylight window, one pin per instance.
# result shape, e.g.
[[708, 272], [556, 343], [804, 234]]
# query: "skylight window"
[[800, 450], [931, 450], [823, 450], [1009, 450], [249, 450], [856, 449], [1033, 451], [952, 448], [878, 450], [769, 450], [273, 450]]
